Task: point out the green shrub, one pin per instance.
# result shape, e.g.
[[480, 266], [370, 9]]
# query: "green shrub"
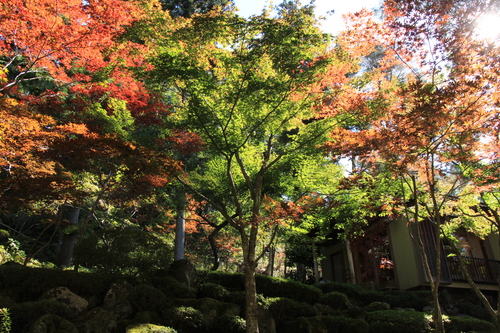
[[335, 300], [129, 251], [285, 309], [368, 297], [332, 324], [357, 325], [184, 319], [356, 312], [5, 322], [171, 287], [351, 290], [327, 324], [471, 309], [28, 283], [397, 321], [298, 325], [148, 328], [238, 298], [377, 306], [212, 290], [276, 287], [88, 284], [230, 281], [408, 299], [145, 297], [458, 325], [229, 324]]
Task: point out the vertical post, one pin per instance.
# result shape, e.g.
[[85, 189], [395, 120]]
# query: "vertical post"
[[180, 227], [315, 263]]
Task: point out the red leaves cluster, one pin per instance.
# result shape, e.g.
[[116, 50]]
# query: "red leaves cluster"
[[283, 212], [186, 142], [59, 35]]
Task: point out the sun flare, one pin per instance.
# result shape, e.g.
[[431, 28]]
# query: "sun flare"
[[488, 27]]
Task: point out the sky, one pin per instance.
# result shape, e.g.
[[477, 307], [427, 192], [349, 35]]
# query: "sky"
[[334, 22]]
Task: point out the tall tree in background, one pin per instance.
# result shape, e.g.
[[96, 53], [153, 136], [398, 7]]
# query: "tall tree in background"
[[187, 8], [423, 108], [247, 88]]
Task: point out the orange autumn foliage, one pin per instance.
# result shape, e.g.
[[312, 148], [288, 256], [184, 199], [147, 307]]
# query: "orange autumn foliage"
[[55, 36]]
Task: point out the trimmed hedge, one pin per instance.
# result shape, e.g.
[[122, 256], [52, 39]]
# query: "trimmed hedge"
[[148, 328], [26, 283], [397, 321], [350, 290], [325, 324], [458, 325], [335, 300], [230, 281], [286, 309], [229, 324], [277, 287], [212, 290], [184, 319]]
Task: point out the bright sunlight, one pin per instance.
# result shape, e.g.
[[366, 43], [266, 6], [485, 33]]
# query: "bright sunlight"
[[488, 27]]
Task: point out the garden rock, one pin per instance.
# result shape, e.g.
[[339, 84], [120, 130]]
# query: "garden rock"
[[67, 297], [185, 272], [51, 323], [117, 301]]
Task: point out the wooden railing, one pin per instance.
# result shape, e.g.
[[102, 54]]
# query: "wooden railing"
[[480, 270]]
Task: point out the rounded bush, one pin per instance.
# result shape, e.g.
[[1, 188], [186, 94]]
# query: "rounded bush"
[[396, 321], [335, 300], [212, 290], [377, 306], [229, 324], [184, 319], [148, 328], [284, 309], [357, 325], [277, 287], [330, 324], [471, 309], [458, 325], [350, 290], [408, 299], [356, 312], [230, 281]]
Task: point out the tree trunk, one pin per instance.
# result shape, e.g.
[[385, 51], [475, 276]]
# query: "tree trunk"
[[213, 246], [270, 265], [438, 315], [180, 227], [68, 240], [251, 311]]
